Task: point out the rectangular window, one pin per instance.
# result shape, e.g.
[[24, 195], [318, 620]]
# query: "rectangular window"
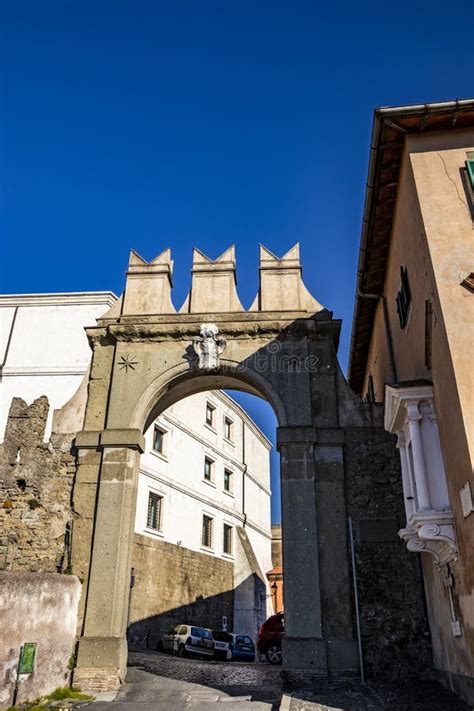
[[208, 464], [228, 428], [206, 537], [470, 168], [155, 506], [227, 539], [428, 331], [403, 298], [227, 480], [158, 440], [210, 414]]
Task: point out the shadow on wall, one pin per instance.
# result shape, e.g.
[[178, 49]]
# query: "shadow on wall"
[[210, 612]]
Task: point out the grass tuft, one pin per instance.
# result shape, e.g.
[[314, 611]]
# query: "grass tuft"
[[67, 692], [62, 693]]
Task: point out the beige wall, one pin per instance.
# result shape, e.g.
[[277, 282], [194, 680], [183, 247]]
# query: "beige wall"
[[433, 237], [39, 608]]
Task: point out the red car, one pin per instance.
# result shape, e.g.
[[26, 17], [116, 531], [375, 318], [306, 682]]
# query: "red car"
[[270, 635]]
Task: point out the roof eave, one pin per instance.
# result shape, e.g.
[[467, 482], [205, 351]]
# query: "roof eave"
[[386, 116]]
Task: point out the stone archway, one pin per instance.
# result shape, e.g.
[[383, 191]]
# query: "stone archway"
[[147, 356]]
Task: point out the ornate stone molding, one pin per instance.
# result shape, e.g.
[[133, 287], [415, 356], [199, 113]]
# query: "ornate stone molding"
[[432, 533], [209, 346]]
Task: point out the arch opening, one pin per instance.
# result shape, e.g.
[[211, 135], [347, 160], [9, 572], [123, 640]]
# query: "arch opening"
[[202, 545], [182, 382]]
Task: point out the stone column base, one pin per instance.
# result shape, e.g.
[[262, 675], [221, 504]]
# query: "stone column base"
[[101, 663], [304, 654], [306, 659], [94, 679]]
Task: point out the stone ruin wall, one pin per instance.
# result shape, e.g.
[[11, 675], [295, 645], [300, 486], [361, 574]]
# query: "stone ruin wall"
[[36, 480], [37, 603]]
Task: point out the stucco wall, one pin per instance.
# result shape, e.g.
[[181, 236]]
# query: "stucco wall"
[[40, 608], [44, 347], [432, 236]]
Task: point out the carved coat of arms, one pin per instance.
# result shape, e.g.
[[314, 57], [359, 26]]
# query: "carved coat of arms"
[[209, 346]]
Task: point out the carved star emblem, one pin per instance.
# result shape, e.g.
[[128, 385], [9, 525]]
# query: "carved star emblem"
[[127, 362]]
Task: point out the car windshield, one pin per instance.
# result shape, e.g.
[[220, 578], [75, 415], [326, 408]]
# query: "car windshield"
[[200, 632], [221, 636]]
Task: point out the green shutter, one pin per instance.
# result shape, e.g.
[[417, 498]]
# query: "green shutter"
[[470, 171]]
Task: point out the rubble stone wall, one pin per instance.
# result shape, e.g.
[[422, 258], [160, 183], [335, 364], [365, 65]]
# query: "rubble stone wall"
[[36, 480], [394, 624]]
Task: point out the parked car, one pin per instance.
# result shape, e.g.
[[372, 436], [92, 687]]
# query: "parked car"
[[230, 646], [222, 642], [242, 647], [187, 639], [270, 635]]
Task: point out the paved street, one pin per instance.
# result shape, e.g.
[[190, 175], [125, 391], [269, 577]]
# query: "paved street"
[[160, 682]]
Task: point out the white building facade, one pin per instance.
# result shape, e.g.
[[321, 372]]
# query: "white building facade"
[[206, 471], [204, 481], [43, 346]]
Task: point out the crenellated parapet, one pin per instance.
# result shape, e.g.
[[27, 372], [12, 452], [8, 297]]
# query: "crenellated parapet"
[[149, 284], [281, 284], [214, 285]]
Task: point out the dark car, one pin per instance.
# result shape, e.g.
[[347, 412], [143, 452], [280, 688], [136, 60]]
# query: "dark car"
[[222, 642], [228, 645], [270, 635]]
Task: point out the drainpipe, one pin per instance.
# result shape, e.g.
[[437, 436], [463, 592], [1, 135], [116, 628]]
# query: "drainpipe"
[[7, 348], [244, 472], [388, 333], [356, 600]]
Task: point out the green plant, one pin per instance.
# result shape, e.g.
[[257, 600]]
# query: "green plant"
[[72, 661], [67, 692], [59, 694]]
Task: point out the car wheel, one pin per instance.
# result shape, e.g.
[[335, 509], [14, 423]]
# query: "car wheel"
[[160, 646], [181, 651], [228, 655], [274, 654]]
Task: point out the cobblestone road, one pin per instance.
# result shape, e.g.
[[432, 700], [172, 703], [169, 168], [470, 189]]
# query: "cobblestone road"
[[260, 681], [259, 686]]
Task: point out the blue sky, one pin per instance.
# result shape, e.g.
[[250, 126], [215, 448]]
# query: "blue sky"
[[149, 124]]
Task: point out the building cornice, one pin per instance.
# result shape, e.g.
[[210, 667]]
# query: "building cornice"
[[108, 298], [391, 125], [49, 371]]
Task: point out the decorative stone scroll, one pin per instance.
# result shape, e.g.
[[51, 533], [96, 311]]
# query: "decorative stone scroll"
[[209, 346], [432, 533]]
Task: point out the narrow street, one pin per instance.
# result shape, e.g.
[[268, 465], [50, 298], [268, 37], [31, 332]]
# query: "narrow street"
[[160, 682]]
